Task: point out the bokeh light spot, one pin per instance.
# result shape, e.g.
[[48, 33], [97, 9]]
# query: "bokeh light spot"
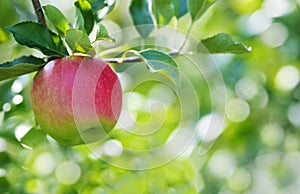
[[3, 144], [21, 130], [221, 164], [246, 88], [17, 86], [210, 127], [68, 172], [276, 8], [258, 22], [275, 35], [2, 172], [287, 78], [291, 143], [237, 110], [6, 107], [17, 99], [113, 148], [135, 101], [240, 180], [272, 135], [294, 114], [44, 164]]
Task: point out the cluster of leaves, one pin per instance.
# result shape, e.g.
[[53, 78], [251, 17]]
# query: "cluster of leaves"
[[90, 13], [164, 11], [38, 36]]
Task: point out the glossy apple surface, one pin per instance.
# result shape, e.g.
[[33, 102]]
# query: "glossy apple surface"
[[76, 100]]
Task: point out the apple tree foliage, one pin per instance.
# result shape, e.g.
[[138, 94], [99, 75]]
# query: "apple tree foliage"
[[75, 35], [31, 163]]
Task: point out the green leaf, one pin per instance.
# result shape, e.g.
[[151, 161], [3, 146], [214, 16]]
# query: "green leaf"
[[4, 159], [102, 7], [85, 9], [102, 34], [57, 18], [78, 41], [35, 35], [198, 7], [8, 13], [97, 4], [180, 7], [79, 20], [34, 137], [20, 66], [3, 36], [9, 135], [163, 11], [6, 96], [158, 61], [222, 43], [141, 17], [4, 185]]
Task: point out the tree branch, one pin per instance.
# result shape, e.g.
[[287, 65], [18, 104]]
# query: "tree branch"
[[123, 60], [132, 59], [39, 12]]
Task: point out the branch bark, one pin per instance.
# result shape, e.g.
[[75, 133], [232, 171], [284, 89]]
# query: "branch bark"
[[39, 12]]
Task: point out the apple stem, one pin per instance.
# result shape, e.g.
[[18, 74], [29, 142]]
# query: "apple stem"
[[132, 59], [39, 12]]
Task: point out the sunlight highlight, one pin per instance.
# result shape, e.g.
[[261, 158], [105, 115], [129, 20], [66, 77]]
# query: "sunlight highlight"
[[287, 78]]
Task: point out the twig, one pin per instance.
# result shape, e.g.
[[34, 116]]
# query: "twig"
[[186, 36], [39, 12], [132, 59]]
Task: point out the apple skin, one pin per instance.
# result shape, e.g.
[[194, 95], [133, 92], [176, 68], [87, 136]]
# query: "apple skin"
[[76, 100]]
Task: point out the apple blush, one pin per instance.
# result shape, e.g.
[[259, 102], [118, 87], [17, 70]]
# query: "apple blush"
[[76, 100]]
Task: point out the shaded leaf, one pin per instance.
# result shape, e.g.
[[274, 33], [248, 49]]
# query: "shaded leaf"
[[6, 96], [180, 7], [163, 10], [8, 13], [97, 4], [4, 185], [222, 43], [102, 34], [9, 135], [78, 41], [85, 10], [57, 18], [141, 17], [34, 137], [158, 61], [35, 35], [20, 66], [198, 7], [102, 7], [4, 159], [79, 20]]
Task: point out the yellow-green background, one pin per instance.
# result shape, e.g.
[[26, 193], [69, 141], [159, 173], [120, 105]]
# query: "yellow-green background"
[[258, 151]]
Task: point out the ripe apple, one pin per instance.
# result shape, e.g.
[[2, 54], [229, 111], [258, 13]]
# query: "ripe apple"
[[76, 99]]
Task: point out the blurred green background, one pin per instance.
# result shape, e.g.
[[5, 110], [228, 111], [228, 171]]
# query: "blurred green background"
[[250, 144]]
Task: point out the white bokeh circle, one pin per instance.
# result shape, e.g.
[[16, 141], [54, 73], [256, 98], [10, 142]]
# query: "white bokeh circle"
[[192, 64]]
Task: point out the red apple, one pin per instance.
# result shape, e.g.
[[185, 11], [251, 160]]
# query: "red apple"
[[76, 100]]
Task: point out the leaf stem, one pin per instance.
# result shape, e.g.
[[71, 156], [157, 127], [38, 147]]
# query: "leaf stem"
[[132, 59], [186, 36], [39, 12]]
